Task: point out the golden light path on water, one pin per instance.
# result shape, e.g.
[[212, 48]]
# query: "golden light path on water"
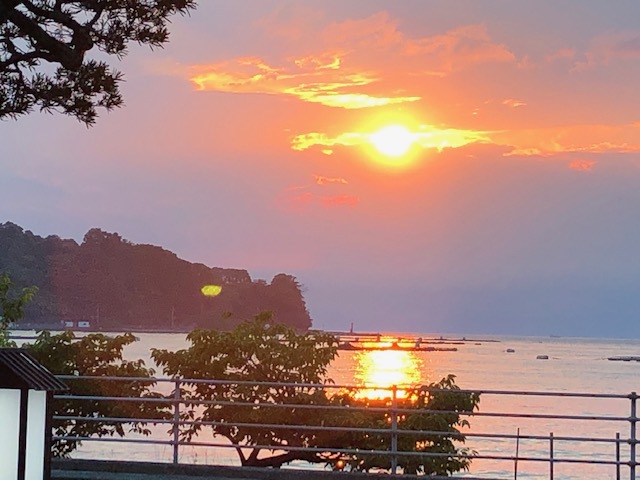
[[380, 370]]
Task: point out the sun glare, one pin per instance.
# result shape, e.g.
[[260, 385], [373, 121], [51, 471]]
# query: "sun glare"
[[392, 141], [378, 370]]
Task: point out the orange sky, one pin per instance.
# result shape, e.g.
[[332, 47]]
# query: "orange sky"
[[249, 142]]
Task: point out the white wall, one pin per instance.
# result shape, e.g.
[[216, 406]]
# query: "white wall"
[[9, 428], [10, 431], [36, 422]]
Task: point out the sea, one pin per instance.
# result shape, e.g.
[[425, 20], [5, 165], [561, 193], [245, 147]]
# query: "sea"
[[498, 363]]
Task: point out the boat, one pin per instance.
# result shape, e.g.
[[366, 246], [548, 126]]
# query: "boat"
[[542, 357], [624, 358]]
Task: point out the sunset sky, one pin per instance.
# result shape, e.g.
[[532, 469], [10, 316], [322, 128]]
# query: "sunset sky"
[[504, 199]]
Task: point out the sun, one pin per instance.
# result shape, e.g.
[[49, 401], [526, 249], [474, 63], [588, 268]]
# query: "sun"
[[392, 140]]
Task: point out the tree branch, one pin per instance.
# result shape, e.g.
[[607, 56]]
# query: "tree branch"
[[69, 58], [6, 6], [277, 461]]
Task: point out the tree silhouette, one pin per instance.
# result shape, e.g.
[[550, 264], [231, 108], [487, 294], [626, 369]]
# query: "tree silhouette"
[[36, 35], [116, 284]]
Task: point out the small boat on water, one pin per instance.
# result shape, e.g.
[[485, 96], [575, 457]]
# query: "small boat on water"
[[625, 358]]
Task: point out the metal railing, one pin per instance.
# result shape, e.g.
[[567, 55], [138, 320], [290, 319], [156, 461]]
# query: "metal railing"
[[614, 451]]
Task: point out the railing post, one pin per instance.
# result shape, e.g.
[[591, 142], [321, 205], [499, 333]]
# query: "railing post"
[[618, 456], [632, 437], [394, 430], [176, 421], [551, 456], [515, 460]]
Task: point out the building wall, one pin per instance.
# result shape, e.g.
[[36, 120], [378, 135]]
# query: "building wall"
[[10, 431], [36, 423], [9, 428]]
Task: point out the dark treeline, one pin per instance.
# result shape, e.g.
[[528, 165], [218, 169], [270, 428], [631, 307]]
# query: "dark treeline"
[[116, 284]]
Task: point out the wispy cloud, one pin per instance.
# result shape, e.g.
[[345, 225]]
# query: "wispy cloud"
[[427, 137], [339, 200], [357, 64], [592, 139], [309, 79], [611, 47], [458, 48], [322, 180], [306, 200], [513, 103], [583, 166], [302, 196]]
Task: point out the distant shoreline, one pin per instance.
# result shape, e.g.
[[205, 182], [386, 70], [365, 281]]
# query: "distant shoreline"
[[343, 336]]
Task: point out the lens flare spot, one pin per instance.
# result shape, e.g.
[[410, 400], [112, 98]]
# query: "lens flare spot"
[[211, 290]]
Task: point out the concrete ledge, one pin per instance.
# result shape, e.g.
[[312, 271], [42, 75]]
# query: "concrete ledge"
[[67, 469]]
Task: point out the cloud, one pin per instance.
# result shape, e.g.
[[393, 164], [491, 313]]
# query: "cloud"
[[291, 21], [593, 139], [322, 180], [324, 61], [308, 199], [611, 47], [301, 197], [513, 103], [308, 140], [561, 55], [354, 64], [582, 165], [376, 31], [427, 137], [310, 79], [459, 48], [339, 200]]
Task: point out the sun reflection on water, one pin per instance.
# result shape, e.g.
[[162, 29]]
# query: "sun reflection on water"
[[380, 370]]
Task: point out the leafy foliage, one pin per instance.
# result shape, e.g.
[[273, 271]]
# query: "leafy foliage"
[[96, 355], [11, 306], [434, 412], [296, 367], [38, 34], [254, 352]]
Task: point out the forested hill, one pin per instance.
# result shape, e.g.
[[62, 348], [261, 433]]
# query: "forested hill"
[[116, 284]]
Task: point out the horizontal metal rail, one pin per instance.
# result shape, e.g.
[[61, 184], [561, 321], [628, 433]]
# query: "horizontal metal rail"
[[194, 402], [183, 393], [321, 428], [355, 388], [345, 450]]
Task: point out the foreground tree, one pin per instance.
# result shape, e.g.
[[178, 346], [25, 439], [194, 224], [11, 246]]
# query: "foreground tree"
[[11, 306], [96, 355], [36, 35], [431, 417], [253, 352], [263, 420]]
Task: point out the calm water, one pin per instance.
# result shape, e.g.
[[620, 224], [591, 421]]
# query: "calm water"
[[574, 365]]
